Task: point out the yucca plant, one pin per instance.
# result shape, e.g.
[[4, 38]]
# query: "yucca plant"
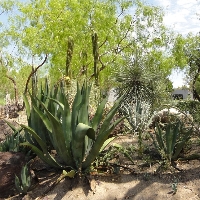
[[24, 183], [170, 142], [73, 135]]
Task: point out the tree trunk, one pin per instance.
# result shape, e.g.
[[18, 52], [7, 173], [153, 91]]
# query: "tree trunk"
[[15, 89], [96, 57], [195, 94], [69, 55]]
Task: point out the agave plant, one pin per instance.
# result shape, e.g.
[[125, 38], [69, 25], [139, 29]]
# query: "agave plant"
[[170, 142], [12, 141], [34, 120], [24, 183], [137, 114], [73, 135]]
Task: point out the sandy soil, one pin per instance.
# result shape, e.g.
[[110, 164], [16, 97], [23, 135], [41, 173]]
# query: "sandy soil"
[[138, 182], [138, 186]]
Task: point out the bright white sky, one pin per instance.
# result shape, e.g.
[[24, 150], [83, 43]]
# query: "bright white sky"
[[181, 16]]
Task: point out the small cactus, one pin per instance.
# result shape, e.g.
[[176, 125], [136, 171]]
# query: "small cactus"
[[24, 184]]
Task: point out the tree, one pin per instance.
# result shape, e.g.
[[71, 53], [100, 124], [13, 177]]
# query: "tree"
[[197, 85], [149, 63], [89, 37], [187, 55], [7, 79], [50, 27]]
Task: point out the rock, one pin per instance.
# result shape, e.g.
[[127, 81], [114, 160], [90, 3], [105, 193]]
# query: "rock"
[[10, 164]]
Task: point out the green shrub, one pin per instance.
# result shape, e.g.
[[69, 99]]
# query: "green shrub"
[[191, 106], [2, 101]]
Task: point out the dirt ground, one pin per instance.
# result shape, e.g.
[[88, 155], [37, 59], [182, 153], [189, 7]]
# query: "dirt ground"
[[138, 181]]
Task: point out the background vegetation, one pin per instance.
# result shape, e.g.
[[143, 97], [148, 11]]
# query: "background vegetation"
[[73, 42]]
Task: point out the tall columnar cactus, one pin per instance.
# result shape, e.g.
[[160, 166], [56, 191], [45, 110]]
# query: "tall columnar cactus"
[[84, 58]]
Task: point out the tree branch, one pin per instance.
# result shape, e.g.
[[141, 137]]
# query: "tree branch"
[[103, 66], [125, 36], [122, 11], [103, 42], [33, 72], [15, 88]]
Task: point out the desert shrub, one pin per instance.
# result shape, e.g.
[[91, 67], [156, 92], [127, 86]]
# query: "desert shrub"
[[191, 106], [167, 115]]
